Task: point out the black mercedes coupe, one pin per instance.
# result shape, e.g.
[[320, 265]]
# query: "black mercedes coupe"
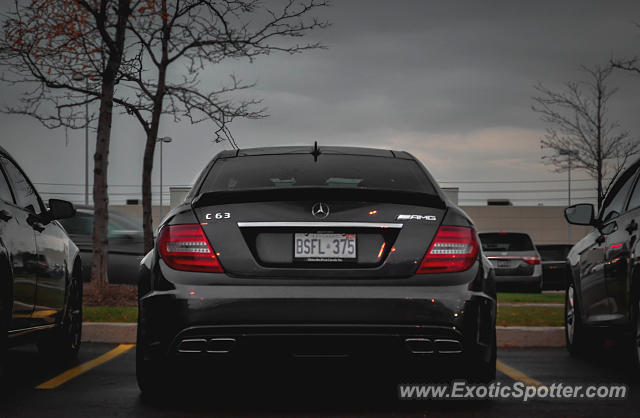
[[298, 253]]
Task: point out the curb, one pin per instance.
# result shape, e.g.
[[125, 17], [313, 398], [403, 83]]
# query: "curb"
[[530, 337], [508, 337]]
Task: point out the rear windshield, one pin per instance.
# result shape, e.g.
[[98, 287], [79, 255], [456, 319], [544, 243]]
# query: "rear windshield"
[[506, 242], [330, 171]]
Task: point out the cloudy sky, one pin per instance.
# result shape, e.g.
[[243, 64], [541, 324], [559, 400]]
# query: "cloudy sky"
[[450, 82]]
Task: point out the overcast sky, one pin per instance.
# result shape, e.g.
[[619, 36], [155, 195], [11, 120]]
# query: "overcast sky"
[[450, 82]]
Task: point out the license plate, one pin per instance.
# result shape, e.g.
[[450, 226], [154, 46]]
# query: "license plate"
[[502, 263], [325, 247]]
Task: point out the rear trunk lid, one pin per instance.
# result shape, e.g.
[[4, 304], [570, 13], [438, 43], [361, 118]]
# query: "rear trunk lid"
[[255, 233]]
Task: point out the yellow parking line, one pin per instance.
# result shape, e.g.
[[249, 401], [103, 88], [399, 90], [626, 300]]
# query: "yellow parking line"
[[78, 370], [516, 374]]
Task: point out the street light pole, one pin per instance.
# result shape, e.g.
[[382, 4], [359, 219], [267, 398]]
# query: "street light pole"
[[162, 141], [86, 146]]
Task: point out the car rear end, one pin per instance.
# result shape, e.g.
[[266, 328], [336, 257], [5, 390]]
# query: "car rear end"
[[290, 254], [515, 260]]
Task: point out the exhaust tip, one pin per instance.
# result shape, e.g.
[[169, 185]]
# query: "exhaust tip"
[[448, 346], [419, 345], [220, 345], [190, 346]]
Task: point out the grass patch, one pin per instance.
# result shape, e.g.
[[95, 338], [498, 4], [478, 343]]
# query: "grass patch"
[[530, 316], [110, 314], [531, 297]]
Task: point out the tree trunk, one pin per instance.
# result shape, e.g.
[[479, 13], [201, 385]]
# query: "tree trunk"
[[147, 164], [147, 167], [101, 156], [152, 136], [100, 196]]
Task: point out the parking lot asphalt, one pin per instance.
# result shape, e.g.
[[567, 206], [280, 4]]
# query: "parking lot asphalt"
[[104, 386]]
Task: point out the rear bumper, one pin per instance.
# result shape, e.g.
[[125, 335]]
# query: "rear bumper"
[[257, 322]]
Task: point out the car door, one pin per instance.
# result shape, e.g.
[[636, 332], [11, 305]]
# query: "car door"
[[619, 250], [592, 286], [18, 238], [50, 261], [593, 259], [610, 227], [50, 243]]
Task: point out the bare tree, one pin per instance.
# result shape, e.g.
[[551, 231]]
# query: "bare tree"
[[627, 64], [68, 53], [578, 123], [193, 36]]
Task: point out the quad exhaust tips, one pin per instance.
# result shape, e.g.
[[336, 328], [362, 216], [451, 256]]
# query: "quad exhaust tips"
[[224, 345]]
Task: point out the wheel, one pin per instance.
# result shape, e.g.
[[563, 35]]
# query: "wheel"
[[150, 374], [64, 342], [575, 334], [483, 368]]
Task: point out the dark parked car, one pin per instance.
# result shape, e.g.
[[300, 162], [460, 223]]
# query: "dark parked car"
[[40, 286], [604, 288], [304, 252], [555, 269], [126, 244], [515, 260]]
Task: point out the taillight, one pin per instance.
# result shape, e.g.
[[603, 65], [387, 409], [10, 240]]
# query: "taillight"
[[532, 260], [454, 249], [185, 247]]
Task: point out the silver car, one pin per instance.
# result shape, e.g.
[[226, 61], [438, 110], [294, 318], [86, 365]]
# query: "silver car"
[[515, 259]]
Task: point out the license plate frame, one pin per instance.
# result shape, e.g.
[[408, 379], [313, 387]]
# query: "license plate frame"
[[323, 247]]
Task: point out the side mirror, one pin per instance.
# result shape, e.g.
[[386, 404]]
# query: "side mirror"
[[60, 209], [581, 214]]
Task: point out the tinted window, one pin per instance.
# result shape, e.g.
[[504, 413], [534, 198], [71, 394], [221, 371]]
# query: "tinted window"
[[26, 196], [80, 224], [614, 204], [506, 242], [120, 223], [634, 201], [5, 191], [331, 171]]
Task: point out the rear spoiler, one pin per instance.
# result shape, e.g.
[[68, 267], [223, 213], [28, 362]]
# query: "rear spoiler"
[[317, 194]]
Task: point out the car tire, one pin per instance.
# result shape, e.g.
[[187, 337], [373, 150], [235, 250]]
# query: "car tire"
[[574, 332], [63, 343], [152, 381], [483, 365]]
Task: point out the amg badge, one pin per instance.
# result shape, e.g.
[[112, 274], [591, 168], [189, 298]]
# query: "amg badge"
[[416, 218]]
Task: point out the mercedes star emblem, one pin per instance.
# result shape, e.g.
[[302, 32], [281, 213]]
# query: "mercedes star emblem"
[[320, 210]]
